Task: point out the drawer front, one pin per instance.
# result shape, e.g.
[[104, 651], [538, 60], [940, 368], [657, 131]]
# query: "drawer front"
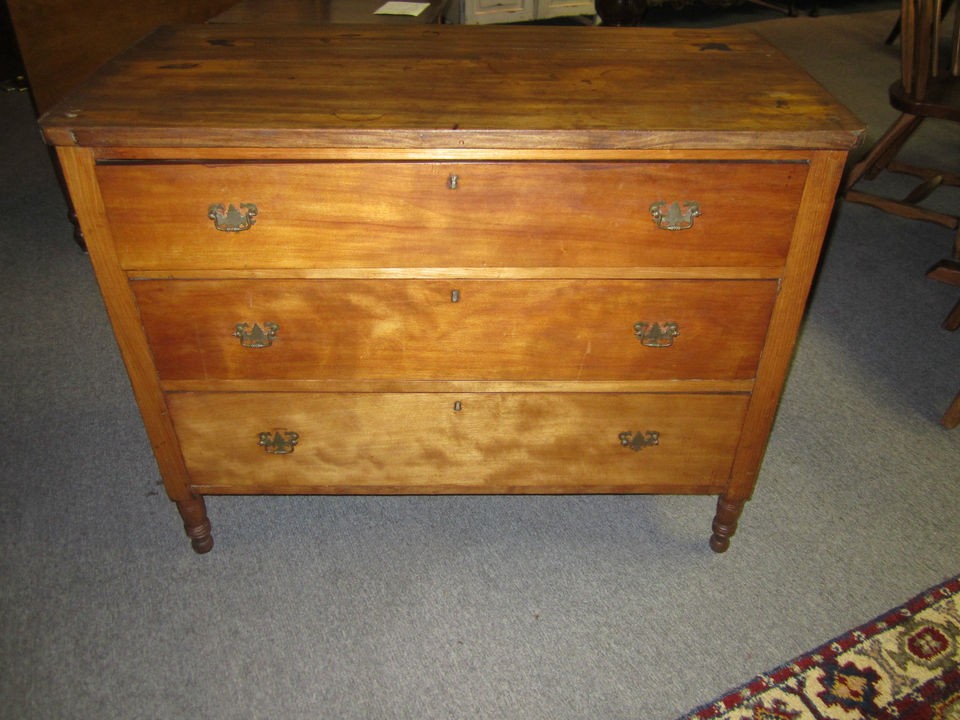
[[455, 330], [448, 443], [533, 214]]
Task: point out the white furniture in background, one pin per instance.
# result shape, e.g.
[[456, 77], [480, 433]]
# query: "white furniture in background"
[[485, 12]]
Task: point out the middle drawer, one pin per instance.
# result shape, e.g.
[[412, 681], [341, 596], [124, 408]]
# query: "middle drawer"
[[455, 329]]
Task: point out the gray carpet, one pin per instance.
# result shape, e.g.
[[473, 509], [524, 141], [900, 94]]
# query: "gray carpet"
[[532, 607]]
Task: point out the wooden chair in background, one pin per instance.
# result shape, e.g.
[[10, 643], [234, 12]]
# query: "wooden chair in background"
[[928, 89], [895, 32]]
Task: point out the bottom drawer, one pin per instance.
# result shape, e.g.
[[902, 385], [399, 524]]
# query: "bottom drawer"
[[369, 443]]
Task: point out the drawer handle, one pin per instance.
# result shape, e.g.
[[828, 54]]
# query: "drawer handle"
[[231, 219], [672, 216], [638, 441], [256, 336], [656, 335], [279, 441]]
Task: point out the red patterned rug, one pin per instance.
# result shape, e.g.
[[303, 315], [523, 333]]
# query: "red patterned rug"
[[904, 665]]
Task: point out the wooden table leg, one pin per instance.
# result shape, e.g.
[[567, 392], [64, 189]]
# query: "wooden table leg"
[[725, 523], [196, 523]]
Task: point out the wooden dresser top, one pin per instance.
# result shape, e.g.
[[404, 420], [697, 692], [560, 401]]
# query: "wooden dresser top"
[[451, 86]]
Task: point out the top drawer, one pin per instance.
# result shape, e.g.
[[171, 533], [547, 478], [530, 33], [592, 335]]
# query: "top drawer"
[[420, 214]]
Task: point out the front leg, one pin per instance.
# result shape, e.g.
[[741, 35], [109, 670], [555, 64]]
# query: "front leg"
[[196, 523], [725, 523]]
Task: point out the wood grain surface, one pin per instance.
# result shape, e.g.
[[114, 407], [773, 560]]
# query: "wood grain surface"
[[451, 86], [420, 443], [577, 330], [510, 214]]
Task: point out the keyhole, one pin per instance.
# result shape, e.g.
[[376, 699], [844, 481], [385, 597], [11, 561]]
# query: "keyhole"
[[453, 181], [457, 406], [454, 296]]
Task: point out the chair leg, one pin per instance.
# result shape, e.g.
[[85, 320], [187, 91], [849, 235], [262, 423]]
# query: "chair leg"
[[951, 418], [952, 321], [883, 152], [948, 271], [894, 33]]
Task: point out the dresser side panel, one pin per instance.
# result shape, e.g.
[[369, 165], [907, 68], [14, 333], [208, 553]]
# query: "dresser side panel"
[[826, 168], [78, 170]]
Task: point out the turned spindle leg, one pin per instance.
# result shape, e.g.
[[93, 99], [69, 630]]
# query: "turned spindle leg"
[[725, 523], [196, 524]]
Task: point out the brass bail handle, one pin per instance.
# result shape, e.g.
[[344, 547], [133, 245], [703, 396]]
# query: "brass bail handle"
[[637, 441], [231, 218], [256, 336], [673, 216], [278, 441], [656, 334]]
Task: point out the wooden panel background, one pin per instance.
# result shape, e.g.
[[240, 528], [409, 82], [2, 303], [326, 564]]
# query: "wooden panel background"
[[64, 41]]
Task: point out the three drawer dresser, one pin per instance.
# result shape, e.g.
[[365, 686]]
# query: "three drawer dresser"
[[451, 259]]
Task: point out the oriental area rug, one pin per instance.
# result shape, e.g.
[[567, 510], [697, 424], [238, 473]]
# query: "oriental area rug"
[[902, 665]]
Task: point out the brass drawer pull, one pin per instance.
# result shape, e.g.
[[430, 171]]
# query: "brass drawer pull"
[[256, 336], [672, 216], [638, 441], [656, 335], [231, 219], [279, 441]]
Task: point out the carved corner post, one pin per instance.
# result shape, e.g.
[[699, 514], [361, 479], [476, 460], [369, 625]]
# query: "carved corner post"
[[196, 524], [819, 193], [79, 171], [725, 523]]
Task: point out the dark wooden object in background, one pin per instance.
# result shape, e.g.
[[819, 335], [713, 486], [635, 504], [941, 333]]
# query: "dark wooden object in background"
[[928, 89], [12, 77], [62, 42]]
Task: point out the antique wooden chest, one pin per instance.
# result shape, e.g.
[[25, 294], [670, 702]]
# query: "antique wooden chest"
[[454, 259]]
